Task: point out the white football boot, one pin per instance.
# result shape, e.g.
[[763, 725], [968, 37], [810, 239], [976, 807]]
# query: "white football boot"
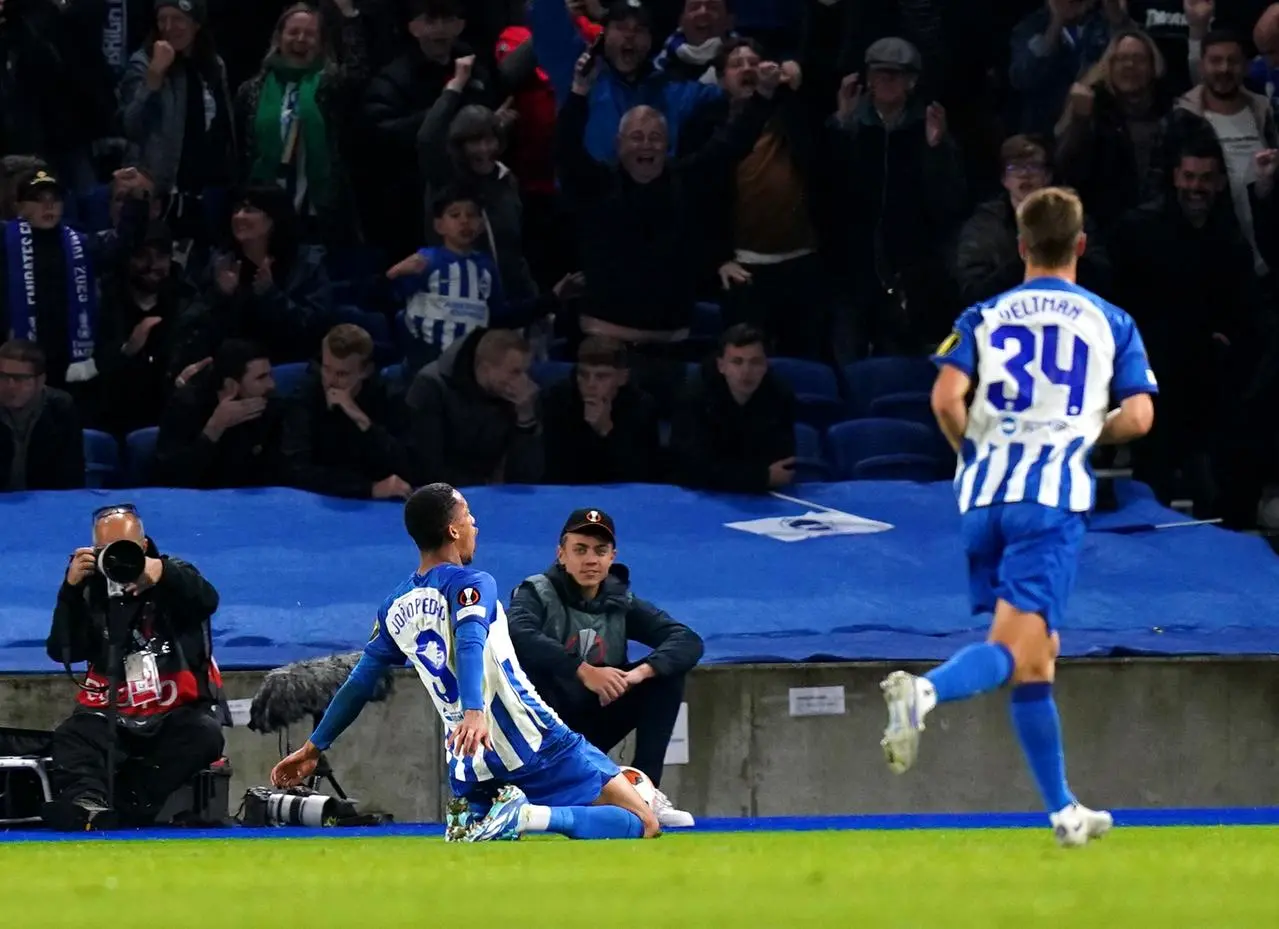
[[1076, 825], [909, 699], [667, 816]]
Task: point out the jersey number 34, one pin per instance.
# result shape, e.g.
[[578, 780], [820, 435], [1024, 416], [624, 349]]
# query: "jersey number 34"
[[1040, 346]]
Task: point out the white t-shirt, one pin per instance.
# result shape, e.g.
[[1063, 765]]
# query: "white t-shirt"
[[1240, 141]]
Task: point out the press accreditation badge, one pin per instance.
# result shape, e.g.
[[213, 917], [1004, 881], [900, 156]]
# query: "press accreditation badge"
[[142, 677]]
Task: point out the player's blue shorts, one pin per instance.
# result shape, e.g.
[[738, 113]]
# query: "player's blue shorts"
[[1025, 554], [571, 772]]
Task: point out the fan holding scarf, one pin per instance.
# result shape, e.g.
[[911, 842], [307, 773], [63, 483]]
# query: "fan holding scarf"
[[290, 114], [50, 289]]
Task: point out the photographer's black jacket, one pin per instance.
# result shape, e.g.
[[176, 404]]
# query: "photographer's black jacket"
[[173, 616]]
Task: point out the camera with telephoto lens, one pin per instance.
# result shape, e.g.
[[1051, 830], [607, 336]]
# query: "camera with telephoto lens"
[[296, 806], [121, 562]]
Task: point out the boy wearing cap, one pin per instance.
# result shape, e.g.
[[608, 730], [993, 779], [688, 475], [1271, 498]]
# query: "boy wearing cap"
[[50, 290], [570, 626]]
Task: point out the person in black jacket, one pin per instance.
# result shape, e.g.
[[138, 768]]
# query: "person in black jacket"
[[152, 639], [341, 434], [640, 222], [600, 429], [734, 428], [474, 415], [41, 442], [570, 627], [223, 427], [763, 217]]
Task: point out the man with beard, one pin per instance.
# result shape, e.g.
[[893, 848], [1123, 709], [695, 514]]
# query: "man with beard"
[[1185, 274], [135, 352], [1243, 121]]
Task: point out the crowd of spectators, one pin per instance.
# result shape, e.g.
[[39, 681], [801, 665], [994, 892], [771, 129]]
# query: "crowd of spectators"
[[195, 191]]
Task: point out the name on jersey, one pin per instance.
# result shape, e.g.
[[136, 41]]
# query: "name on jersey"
[[1026, 307], [418, 610]]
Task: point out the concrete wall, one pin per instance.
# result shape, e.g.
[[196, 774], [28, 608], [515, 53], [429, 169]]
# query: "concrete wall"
[[1146, 733]]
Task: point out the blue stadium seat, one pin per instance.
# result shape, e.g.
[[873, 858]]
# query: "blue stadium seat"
[[809, 463], [902, 467], [708, 321], [101, 459], [139, 447], [392, 374], [374, 324], [289, 377], [807, 377], [546, 373], [913, 406], [872, 378], [856, 440]]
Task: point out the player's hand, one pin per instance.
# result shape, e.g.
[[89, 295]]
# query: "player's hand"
[[606, 683], [83, 564], [296, 768], [470, 736], [781, 473]]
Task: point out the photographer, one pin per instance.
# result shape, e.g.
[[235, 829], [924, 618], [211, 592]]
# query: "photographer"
[[141, 621]]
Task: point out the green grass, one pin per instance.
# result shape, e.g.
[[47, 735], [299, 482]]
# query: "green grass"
[[1136, 878]]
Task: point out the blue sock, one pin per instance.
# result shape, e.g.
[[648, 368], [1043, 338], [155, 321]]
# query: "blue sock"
[[595, 822], [1039, 731], [973, 670]]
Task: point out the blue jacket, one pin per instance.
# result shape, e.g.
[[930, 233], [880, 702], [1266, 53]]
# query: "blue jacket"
[[558, 45], [1043, 80]]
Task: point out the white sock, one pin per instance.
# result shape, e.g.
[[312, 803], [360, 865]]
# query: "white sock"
[[926, 695], [535, 818]]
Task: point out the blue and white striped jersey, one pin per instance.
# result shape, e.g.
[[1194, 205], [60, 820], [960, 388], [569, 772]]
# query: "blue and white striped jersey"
[[456, 295], [1049, 360], [418, 623]]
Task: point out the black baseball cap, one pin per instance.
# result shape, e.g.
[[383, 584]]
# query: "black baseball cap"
[[596, 521], [31, 187], [622, 10]]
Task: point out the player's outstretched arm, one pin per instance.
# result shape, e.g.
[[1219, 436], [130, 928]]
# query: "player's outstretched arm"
[[950, 403], [1133, 419], [347, 703]]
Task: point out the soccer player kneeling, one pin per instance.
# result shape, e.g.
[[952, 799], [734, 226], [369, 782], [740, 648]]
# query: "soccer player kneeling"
[[513, 765]]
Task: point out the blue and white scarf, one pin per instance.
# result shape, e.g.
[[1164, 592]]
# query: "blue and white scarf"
[[82, 296]]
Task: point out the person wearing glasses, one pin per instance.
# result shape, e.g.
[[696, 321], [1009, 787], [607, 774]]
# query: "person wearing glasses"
[[41, 440], [986, 261], [165, 726]]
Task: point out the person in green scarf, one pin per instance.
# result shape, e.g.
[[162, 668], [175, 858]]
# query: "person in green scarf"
[[289, 120]]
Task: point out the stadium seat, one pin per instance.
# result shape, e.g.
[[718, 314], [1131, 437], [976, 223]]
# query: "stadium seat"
[[903, 467], [872, 378], [101, 459], [139, 448], [816, 388], [546, 373], [374, 324], [289, 377], [857, 440], [913, 406], [708, 321], [809, 463], [392, 374]]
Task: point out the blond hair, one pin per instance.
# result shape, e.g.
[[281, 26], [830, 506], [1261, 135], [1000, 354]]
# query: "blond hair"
[[1049, 224]]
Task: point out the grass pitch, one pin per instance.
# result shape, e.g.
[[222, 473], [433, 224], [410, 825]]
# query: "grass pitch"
[[1168, 878]]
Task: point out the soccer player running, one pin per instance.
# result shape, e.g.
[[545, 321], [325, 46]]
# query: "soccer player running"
[[1043, 364], [513, 765]]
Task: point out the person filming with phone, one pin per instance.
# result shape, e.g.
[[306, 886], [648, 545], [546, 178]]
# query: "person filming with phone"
[[141, 621]]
